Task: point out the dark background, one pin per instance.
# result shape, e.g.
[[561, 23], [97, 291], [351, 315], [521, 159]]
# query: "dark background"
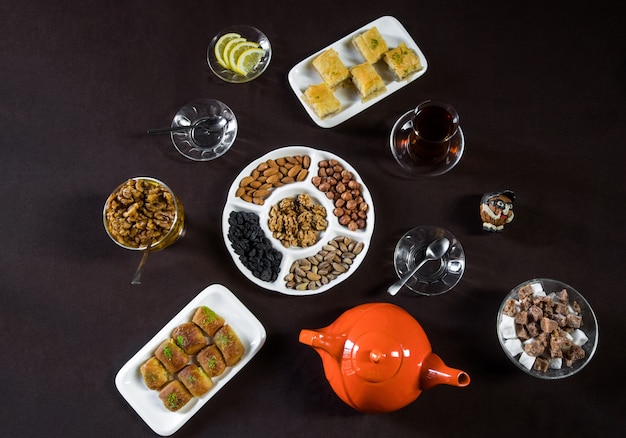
[[540, 90]]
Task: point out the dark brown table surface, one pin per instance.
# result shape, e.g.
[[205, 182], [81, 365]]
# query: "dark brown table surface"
[[540, 90]]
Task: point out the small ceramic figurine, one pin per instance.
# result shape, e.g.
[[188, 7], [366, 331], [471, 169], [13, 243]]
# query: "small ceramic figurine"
[[496, 210]]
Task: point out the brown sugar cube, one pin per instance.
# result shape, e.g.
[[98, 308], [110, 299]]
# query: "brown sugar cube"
[[174, 396], [574, 321], [510, 308], [195, 380], [154, 373], [541, 364], [189, 337], [525, 292], [229, 344], [548, 325], [171, 356], [208, 320], [211, 361]]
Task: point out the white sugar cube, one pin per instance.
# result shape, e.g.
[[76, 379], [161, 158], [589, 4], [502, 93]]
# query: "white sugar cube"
[[555, 363], [537, 290], [579, 337], [527, 361], [507, 327], [514, 346]]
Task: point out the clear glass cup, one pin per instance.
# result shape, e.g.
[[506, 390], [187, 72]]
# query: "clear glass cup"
[[428, 140], [208, 129]]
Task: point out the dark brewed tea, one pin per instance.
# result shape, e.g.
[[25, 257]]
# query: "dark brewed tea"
[[434, 123], [433, 126]]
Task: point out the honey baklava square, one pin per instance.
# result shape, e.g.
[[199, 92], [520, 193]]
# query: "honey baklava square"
[[322, 100], [402, 61], [370, 44], [367, 81], [331, 68]]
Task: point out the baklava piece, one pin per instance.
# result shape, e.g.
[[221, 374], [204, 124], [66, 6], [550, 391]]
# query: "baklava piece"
[[229, 344], [367, 81], [171, 356], [370, 44], [154, 373], [189, 337], [402, 61], [174, 395], [322, 100], [208, 320], [331, 68], [211, 361], [195, 380]]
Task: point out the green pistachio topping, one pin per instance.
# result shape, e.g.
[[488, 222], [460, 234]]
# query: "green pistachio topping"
[[167, 351]]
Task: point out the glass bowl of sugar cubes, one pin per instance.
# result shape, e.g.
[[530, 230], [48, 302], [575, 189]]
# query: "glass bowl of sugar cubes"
[[547, 328]]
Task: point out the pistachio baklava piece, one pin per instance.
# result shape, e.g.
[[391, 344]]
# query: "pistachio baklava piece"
[[331, 68], [195, 380], [229, 344], [189, 337], [174, 396], [208, 320], [171, 356], [154, 373], [370, 44], [211, 361], [322, 100]]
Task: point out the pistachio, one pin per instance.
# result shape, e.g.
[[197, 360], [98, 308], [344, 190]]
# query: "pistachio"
[[333, 259]]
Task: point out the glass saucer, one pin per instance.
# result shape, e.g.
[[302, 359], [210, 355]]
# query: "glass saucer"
[[436, 276], [251, 34], [204, 141], [398, 141]]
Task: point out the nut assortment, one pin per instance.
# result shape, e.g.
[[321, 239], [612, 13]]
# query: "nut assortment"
[[140, 213], [297, 221], [335, 258], [322, 203], [270, 174]]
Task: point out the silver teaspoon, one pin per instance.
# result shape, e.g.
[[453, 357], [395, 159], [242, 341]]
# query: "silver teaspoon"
[[434, 251]]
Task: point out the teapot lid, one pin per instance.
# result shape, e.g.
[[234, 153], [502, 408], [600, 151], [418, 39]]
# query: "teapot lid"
[[377, 356]]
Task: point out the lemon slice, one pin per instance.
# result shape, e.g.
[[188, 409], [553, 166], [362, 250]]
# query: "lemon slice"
[[238, 49], [220, 46], [248, 60], [228, 47]]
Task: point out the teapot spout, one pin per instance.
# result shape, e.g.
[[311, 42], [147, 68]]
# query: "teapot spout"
[[435, 372], [332, 344]]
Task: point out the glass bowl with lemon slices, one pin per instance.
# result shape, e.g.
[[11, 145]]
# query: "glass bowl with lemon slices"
[[239, 53]]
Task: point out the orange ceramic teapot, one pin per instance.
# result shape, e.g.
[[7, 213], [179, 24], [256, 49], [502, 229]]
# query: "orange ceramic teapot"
[[377, 358]]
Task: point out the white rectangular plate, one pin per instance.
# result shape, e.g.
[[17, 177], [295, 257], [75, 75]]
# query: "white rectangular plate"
[[146, 402], [302, 75]]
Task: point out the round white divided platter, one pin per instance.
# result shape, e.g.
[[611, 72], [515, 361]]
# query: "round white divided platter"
[[306, 186]]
